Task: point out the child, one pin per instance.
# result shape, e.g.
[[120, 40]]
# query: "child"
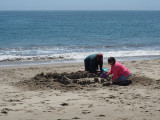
[[119, 71]]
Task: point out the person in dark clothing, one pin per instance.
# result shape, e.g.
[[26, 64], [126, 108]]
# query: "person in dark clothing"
[[92, 62]]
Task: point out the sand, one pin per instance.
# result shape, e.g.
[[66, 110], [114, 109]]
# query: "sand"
[[38, 92]]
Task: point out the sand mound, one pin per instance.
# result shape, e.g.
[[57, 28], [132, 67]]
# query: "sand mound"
[[142, 80], [73, 81], [66, 81]]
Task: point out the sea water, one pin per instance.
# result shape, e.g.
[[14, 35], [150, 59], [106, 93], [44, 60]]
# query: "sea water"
[[70, 36]]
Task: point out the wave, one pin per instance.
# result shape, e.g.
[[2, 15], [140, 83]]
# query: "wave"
[[79, 56], [50, 50], [129, 45]]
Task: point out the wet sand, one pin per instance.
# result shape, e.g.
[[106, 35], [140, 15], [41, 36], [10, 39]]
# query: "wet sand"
[[62, 92]]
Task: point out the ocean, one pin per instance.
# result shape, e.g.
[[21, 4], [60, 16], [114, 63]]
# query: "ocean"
[[42, 37]]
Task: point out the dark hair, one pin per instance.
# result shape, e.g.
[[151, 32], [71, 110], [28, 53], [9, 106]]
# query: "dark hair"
[[100, 57], [112, 59]]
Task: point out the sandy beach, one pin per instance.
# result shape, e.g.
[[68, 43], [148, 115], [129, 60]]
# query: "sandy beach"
[[34, 93]]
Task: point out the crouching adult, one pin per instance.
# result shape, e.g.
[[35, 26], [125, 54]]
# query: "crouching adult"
[[93, 63]]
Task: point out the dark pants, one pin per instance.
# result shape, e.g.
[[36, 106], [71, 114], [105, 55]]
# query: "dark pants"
[[88, 67]]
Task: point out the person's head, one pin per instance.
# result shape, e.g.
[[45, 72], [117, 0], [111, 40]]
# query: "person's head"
[[99, 57], [111, 60]]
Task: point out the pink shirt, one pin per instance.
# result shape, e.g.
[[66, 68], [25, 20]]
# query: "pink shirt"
[[118, 69]]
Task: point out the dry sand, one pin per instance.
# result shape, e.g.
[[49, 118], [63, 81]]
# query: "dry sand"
[[40, 93]]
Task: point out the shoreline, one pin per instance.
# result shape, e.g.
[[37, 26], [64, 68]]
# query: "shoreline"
[[136, 101], [50, 62]]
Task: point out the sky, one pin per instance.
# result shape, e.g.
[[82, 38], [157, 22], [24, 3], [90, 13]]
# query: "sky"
[[79, 4]]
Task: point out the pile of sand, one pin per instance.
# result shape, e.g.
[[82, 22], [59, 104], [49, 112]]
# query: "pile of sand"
[[60, 81], [74, 81]]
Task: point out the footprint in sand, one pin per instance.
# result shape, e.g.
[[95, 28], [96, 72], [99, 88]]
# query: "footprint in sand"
[[6, 110], [76, 118], [11, 100], [101, 116], [111, 97], [90, 106], [85, 112], [62, 119], [64, 104]]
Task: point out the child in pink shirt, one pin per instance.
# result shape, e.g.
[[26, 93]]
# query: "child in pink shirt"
[[119, 71]]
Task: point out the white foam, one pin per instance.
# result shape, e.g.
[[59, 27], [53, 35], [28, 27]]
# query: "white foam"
[[79, 56], [82, 55]]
